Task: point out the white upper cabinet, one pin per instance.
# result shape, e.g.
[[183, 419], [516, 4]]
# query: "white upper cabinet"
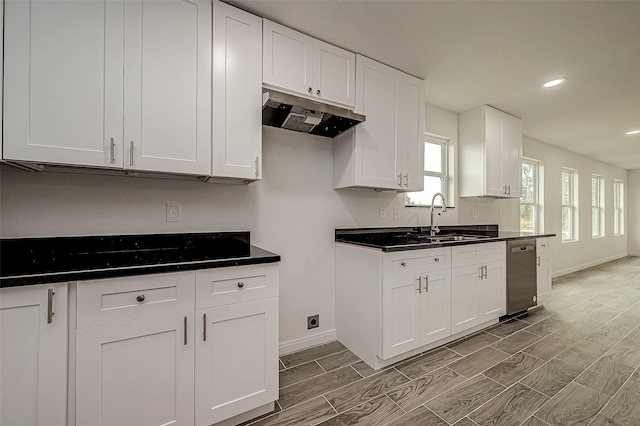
[[104, 84], [387, 150], [167, 104], [237, 93], [296, 63], [490, 155], [63, 82]]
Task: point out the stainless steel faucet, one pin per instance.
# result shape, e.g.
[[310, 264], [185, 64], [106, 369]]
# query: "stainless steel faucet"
[[434, 230]]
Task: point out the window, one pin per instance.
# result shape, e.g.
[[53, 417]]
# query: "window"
[[529, 199], [569, 205], [618, 207], [597, 206], [435, 173]]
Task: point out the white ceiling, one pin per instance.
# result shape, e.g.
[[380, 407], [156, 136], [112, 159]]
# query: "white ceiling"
[[499, 53]]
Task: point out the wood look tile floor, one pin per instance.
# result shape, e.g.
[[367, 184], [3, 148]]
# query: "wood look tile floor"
[[576, 361]]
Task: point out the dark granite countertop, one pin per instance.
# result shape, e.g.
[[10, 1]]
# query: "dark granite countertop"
[[416, 238], [28, 261]]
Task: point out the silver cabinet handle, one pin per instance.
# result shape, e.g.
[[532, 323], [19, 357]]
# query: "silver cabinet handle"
[[131, 153], [50, 312], [426, 283], [257, 173], [140, 298], [509, 189], [310, 90], [420, 284], [437, 259], [400, 180], [403, 263], [538, 260], [406, 179], [240, 284], [485, 271], [480, 276], [204, 327], [318, 92], [112, 151], [185, 331]]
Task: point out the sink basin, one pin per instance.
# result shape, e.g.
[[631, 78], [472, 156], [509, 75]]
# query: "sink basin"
[[451, 238]]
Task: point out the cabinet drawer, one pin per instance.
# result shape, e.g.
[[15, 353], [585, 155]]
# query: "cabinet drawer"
[[125, 299], [215, 287], [474, 254], [543, 245], [416, 260]]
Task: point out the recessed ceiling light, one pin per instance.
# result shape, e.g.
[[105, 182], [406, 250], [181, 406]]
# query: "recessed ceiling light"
[[553, 83], [632, 132]]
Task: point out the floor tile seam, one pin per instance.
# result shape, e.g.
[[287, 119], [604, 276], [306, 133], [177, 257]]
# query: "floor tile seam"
[[409, 378], [533, 415], [478, 350], [357, 372], [324, 369], [396, 404], [330, 404], [333, 354], [504, 389], [434, 413], [535, 390], [298, 365], [614, 395], [313, 359], [366, 399], [309, 378]]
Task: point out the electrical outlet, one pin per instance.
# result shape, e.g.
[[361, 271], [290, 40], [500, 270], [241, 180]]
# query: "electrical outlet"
[[313, 321], [382, 213], [173, 212], [396, 213]]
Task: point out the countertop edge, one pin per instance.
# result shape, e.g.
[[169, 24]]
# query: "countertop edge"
[[256, 257]]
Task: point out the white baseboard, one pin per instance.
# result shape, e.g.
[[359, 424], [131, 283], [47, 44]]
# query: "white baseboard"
[[587, 265], [306, 342]]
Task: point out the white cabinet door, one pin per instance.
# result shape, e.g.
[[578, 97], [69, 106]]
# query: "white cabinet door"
[[167, 67], [411, 122], [237, 93], [63, 82], [33, 356], [287, 59], [237, 363], [334, 74], [400, 316], [378, 160], [494, 183], [543, 270], [491, 292], [136, 372], [464, 298], [435, 309], [512, 155]]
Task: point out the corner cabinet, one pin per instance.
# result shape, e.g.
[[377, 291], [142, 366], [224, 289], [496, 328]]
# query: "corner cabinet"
[[301, 65], [490, 153], [544, 279], [237, 93], [386, 152], [33, 355], [66, 98]]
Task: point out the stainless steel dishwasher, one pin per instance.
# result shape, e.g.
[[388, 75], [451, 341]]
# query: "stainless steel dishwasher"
[[521, 275]]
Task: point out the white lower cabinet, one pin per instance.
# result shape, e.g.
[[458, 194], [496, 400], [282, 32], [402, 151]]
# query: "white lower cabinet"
[[33, 355], [391, 305], [236, 359], [150, 352], [478, 284], [543, 252]]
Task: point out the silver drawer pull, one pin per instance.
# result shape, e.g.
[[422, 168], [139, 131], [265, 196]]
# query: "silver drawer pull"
[[204, 327], [420, 284], [140, 298], [318, 92], [50, 312], [240, 284], [403, 264], [437, 259], [310, 90]]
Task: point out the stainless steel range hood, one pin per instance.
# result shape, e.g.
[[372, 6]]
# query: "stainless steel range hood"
[[307, 116]]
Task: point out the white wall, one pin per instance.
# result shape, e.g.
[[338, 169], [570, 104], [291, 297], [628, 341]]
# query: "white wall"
[[633, 211], [293, 211], [586, 251]]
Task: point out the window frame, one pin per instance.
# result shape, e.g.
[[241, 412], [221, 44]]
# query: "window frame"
[[536, 193], [618, 207], [597, 206], [443, 175], [573, 206]]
